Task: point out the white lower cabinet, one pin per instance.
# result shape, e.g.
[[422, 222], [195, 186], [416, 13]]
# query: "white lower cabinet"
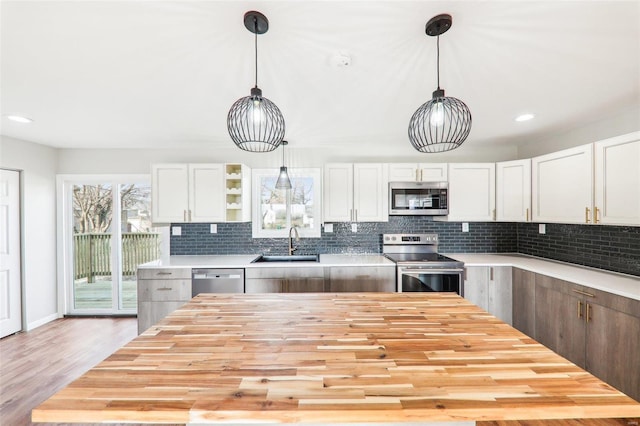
[[490, 287], [160, 292]]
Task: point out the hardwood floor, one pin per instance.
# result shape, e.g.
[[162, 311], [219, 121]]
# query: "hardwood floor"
[[577, 422], [35, 365]]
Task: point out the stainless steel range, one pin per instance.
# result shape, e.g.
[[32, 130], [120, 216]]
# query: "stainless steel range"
[[419, 266]]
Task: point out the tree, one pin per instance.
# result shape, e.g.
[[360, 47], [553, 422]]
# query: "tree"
[[93, 205]]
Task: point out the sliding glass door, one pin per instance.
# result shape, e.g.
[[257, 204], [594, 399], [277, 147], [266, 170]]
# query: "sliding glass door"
[[108, 233]]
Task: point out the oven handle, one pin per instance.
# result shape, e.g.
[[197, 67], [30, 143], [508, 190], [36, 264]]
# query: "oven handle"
[[425, 270]]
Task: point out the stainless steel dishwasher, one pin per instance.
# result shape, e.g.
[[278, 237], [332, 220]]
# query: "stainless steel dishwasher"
[[217, 281]]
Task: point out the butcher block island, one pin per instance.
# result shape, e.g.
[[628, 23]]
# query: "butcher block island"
[[333, 358]]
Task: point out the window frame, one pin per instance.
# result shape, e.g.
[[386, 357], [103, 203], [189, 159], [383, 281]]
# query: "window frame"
[[256, 211]]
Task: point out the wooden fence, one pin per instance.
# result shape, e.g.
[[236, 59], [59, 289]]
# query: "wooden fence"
[[92, 253]]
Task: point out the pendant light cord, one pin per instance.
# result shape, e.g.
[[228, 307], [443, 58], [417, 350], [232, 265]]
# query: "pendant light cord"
[[438, 59], [255, 44]]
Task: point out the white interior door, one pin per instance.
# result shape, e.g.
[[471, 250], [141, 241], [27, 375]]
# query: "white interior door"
[[10, 286]]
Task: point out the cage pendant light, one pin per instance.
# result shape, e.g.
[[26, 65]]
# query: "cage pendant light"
[[255, 123], [444, 122], [283, 181]]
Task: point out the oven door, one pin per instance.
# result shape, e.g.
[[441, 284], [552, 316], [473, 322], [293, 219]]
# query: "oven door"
[[417, 279]]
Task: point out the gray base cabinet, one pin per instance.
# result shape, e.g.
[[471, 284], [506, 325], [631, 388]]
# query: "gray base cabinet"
[[523, 301], [490, 288], [362, 279], [333, 279], [595, 330], [284, 280], [160, 292], [559, 314]]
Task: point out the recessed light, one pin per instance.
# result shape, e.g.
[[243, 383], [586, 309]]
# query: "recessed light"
[[19, 119], [525, 117]]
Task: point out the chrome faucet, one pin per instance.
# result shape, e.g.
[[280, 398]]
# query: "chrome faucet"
[[291, 247]]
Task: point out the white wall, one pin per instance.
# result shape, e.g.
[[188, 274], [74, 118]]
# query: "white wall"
[[139, 160], [604, 128], [38, 165]]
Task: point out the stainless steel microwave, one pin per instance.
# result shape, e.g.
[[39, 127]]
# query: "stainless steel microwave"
[[419, 198]]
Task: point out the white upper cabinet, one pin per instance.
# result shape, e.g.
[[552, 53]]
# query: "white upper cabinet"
[[206, 193], [370, 192], [355, 192], [338, 192], [418, 172], [199, 193], [513, 191], [562, 186], [169, 192], [472, 190], [617, 180]]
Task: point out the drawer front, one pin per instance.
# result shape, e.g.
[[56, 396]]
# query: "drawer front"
[[613, 301], [164, 273], [164, 290]]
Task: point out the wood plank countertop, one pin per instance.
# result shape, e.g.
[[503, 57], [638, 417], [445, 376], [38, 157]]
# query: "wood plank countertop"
[[333, 358]]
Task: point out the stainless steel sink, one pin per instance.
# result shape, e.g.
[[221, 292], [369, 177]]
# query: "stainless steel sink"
[[285, 258]]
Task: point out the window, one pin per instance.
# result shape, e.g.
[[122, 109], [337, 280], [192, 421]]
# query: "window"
[[275, 211]]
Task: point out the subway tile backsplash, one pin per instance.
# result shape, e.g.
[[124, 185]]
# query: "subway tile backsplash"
[[615, 248], [235, 238]]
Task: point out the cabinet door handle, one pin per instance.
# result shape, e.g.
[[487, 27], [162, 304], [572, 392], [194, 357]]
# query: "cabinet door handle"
[[184, 215], [189, 215], [356, 212], [584, 293], [494, 214], [351, 215], [491, 273], [595, 215], [164, 273], [417, 178], [165, 289], [527, 220], [421, 177], [588, 316], [586, 214], [579, 309]]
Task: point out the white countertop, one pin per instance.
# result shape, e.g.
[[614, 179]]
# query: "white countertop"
[[620, 284], [612, 282], [244, 261]]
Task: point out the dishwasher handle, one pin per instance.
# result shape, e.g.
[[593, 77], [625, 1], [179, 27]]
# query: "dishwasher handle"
[[214, 276]]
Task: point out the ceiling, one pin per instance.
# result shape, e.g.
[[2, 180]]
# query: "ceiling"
[[163, 74]]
